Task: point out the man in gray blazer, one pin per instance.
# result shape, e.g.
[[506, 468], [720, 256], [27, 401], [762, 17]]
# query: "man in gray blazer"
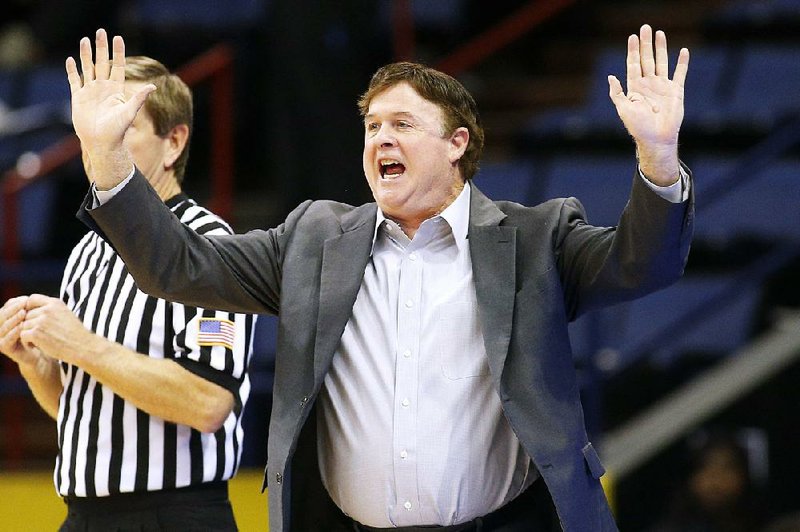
[[424, 377]]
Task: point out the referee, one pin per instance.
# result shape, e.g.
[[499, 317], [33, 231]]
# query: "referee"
[[148, 394]]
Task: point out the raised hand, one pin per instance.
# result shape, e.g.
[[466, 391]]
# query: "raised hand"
[[652, 109], [101, 114]]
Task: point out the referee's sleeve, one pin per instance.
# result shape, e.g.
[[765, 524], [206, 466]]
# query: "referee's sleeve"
[[217, 346]]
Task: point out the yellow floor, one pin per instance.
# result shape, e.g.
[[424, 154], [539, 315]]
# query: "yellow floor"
[[28, 502]]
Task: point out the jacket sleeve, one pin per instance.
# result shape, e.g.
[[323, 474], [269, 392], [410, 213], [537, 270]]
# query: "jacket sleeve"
[[237, 273], [647, 251]]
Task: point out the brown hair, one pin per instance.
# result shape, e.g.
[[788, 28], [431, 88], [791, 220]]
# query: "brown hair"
[[456, 103], [169, 106]]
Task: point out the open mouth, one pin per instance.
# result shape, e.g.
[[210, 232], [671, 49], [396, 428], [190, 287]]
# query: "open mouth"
[[390, 168]]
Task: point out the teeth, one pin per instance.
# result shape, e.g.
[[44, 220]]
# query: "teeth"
[[384, 165]]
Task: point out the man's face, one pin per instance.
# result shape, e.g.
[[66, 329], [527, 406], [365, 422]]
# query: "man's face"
[[148, 150], [410, 165]]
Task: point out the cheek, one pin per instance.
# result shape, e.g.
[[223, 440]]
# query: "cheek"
[[367, 166]]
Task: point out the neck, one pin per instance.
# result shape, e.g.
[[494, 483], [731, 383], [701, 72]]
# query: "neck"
[[410, 226], [166, 186]]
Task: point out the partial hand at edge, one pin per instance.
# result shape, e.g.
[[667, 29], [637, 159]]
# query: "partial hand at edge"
[[12, 317]]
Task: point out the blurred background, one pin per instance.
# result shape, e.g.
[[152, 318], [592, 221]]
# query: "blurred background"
[[691, 394]]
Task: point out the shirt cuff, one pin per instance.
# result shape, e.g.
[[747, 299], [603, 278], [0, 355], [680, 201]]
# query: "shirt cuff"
[[101, 197], [678, 192]]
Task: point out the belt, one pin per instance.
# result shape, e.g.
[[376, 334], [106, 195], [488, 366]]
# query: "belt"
[[520, 509], [123, 502]]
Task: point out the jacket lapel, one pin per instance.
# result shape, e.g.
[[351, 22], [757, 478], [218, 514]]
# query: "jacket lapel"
[[492, 250], [344, 259]]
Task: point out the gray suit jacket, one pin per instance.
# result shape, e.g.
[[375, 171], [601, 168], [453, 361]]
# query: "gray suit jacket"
[[535, 269]]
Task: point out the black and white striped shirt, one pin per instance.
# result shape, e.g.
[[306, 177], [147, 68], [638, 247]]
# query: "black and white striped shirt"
[[107, 445]]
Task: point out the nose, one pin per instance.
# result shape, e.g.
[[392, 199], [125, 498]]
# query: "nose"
[[385, 138]]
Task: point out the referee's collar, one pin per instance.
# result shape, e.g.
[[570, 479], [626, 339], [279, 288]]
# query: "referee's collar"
[[176, 200]]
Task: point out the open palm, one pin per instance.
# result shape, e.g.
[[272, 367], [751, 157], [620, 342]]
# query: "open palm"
[[101, 114], [652, 109]]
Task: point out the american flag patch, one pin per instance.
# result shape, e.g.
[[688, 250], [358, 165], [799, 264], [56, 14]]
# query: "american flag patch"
[[213, 331]]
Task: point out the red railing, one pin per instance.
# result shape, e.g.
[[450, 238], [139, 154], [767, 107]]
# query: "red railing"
[[403, 30], [482, 46], [214, 66]]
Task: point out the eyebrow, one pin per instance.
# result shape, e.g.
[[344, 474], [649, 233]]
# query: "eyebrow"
[[398, 114]]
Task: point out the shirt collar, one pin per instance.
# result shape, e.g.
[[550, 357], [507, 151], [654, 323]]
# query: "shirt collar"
[[456, 215]]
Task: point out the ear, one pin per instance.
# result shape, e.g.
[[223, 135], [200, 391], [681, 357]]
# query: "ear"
[[459, 141], [177, 138]]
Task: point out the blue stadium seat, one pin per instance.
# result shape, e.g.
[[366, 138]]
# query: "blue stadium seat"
[[610, 61], [721, 329], [654, 326], [513, 181], [705, 94], [38, 114], [6, 87], [262, 363], [46, 84], [601, 183], [596, 113], [209, 14], [756, 13], [763, 207], [35, 207], [766, 89], [262, 373]]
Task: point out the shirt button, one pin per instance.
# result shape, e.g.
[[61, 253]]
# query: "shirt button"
[[412, 256], [407, 353], [409, 303], [405, 402], [407, 505], [404, 454]]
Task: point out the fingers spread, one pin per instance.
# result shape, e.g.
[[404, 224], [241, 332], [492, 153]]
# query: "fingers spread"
[[136, 102], [73, 78], [614, 88], [646, 50], [633, 61], [682, 67], [102, 66], [118, 59], [662, 60], [87, 67]]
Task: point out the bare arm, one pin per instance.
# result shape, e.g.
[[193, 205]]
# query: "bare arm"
[[40, 372], [159, 387]]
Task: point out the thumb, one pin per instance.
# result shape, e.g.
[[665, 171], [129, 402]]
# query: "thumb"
[[137, 100], [615, 90]]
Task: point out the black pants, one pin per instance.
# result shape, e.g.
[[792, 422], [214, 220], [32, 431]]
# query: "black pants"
[[531, 511], [205, 507]]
